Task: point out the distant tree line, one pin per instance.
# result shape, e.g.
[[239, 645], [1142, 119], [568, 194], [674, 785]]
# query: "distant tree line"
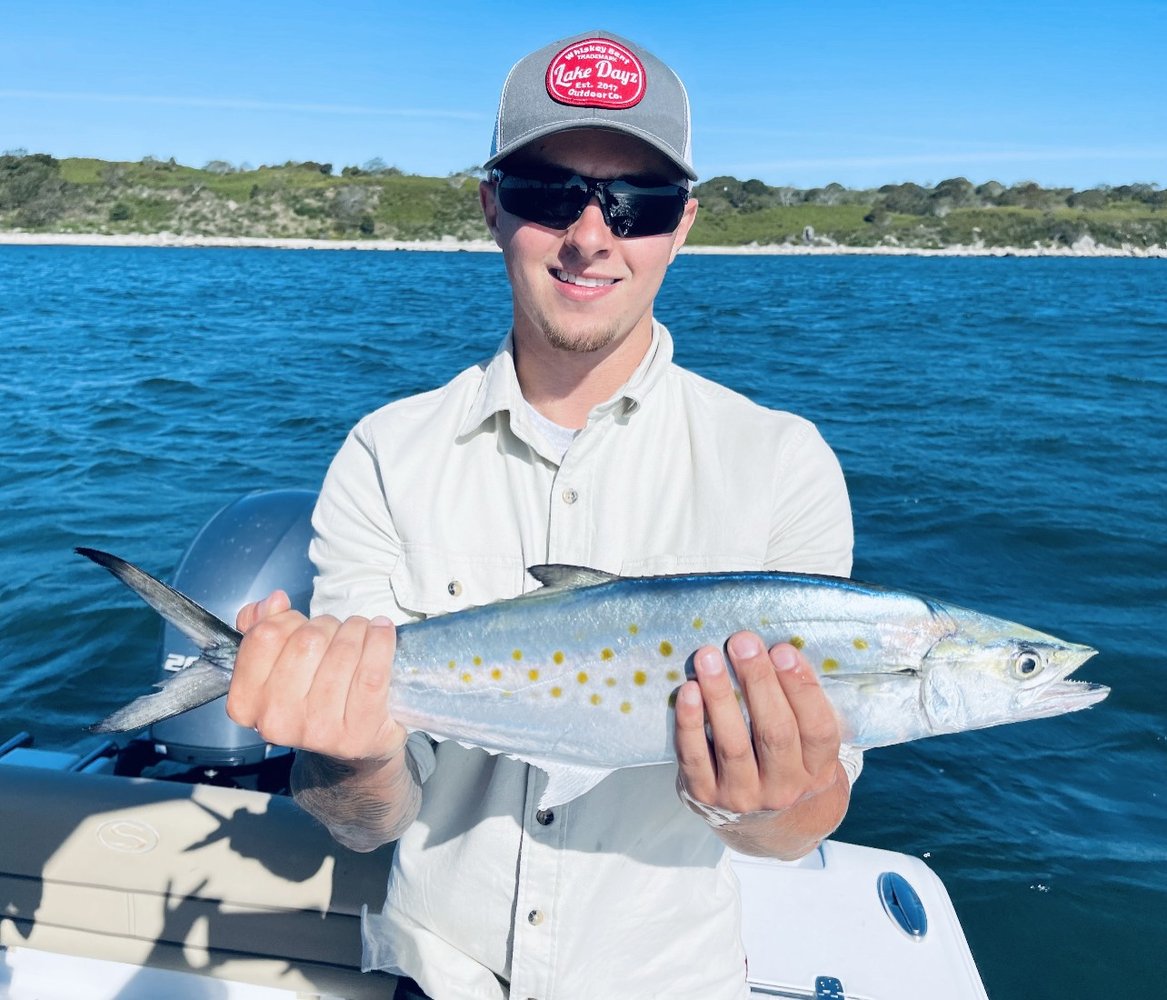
[[309, 198], [914, 199]]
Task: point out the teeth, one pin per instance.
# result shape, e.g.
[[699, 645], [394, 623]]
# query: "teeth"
[[575, 279]]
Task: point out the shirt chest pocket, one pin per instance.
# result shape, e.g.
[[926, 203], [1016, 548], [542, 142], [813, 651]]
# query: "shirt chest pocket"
[[432, 580]]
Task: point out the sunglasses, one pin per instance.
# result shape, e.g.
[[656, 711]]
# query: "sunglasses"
[[631, 206]]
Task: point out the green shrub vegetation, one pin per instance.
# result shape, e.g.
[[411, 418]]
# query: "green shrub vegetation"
[[39, 193]]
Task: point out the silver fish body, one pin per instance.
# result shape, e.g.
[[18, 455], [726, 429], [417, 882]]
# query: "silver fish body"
[[578, 678]]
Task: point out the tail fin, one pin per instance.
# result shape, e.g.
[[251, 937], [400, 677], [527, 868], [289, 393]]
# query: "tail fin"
[[207, 678], [196, 622]]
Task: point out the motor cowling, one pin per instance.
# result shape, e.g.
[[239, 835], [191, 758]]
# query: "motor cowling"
[[251, 547]]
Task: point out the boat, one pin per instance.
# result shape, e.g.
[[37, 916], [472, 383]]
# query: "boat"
[[175, 864]]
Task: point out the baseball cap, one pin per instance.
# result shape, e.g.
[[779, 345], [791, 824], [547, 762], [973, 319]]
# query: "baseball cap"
[[594, 80]]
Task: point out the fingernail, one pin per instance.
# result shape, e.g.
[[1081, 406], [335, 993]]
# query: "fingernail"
[[380, 622], [689, 694], [784, 657], [709, 662], [745, 645]]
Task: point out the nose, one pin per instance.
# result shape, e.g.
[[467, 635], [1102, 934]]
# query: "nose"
[[589, 235]]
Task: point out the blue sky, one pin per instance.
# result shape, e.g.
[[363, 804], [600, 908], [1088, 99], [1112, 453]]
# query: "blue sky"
[[804, 93]]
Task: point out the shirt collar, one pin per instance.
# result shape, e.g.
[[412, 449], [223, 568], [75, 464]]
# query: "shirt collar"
[[499, 390]]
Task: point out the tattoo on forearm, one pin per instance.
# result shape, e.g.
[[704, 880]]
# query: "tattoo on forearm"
[[362, 815]]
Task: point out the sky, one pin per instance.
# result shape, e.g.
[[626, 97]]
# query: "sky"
[[1070, 94]]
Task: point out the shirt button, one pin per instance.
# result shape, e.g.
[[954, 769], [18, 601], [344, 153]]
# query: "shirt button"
[[535, 918], [455, 588], [570, 496], [545, 817]]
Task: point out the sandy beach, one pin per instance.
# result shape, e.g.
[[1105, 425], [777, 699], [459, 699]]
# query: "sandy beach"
[[1084, 247]]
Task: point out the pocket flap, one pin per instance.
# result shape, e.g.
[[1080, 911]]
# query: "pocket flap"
[[432, 580]]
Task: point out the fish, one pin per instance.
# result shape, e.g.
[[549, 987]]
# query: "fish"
[[579, 677]]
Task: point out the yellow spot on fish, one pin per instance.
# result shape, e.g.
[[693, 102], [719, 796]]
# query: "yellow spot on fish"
[[517, 654], [556, 692], [596, 699], [639, 677], [673, 675], [859, 643], [830, 665], [496, 674], [633, 629], [797, 641], [625, 707], [582, 677], [477, 661], [557, 656], [698, 623], [610, 681], [452, 664], [764, 622], [666, 648], [467, 678], [606, 654], [533, 674]]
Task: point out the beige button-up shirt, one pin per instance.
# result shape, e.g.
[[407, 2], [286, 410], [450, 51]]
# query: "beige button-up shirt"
[[441, 501]]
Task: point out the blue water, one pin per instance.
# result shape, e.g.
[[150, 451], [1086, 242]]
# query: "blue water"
[[1002, 424]]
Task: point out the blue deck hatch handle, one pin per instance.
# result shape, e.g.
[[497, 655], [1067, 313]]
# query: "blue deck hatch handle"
[[903, 905], [828, 988]]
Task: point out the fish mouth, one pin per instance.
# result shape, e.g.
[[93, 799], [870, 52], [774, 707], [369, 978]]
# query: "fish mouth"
[[1070, 696], [1052, 693]]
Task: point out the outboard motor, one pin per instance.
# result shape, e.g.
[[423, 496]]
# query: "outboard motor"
[[253, 546]]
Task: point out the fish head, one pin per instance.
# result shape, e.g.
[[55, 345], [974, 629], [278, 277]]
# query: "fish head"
[[989, 672]]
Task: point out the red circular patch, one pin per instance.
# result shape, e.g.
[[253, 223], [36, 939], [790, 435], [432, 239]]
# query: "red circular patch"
[[596, 73]]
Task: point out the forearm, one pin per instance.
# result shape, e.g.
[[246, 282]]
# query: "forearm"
[[363, 804]]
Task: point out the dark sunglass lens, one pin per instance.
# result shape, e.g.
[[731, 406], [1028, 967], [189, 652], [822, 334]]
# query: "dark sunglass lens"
[[641, 211], [552, 203]]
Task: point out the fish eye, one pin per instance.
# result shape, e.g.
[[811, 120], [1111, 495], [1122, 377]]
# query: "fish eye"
[[1027, 663]]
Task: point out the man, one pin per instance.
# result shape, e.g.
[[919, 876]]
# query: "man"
[[579, 442]]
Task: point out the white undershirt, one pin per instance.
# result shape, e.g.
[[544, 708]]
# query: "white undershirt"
[[558, 436]]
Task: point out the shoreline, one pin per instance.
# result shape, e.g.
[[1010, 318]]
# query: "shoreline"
[[1085, 247]]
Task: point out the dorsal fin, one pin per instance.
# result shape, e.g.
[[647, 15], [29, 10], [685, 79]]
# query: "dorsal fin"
[[557, 576]]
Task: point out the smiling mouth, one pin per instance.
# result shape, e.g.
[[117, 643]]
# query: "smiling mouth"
[[576, 279]]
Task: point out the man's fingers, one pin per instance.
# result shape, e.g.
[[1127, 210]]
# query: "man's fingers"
[[817, 724], [694, 755], [263, 642], [329, 681], [733, 749], [367, 703]]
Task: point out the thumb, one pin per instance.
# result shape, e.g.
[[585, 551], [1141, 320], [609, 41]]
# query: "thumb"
[[275, 603]]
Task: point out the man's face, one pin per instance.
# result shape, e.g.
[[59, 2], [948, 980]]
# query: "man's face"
[[583, 289]]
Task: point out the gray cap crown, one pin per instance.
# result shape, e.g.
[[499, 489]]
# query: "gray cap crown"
[[594, 80]]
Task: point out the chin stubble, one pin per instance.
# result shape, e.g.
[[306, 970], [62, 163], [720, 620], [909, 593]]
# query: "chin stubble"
[[580, 342]]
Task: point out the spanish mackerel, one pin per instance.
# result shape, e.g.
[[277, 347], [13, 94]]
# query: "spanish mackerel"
[[579, 677]]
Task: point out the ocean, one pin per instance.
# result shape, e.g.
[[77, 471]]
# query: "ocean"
[[1002, 424]]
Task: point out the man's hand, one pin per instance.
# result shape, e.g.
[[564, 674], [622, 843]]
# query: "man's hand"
[[322, 686], [316, 684], [782, 771]]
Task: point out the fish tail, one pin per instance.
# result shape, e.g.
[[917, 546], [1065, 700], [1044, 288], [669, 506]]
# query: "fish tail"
[[191, 687], [207, 678]]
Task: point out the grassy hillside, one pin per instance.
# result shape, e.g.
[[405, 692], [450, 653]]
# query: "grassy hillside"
[[39, 193]]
